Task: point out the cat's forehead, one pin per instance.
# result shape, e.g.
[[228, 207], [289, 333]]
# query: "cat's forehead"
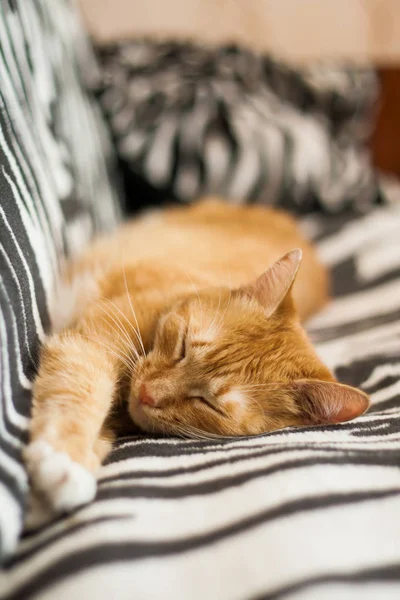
[[203, 337], [204, 328], [208, 324]]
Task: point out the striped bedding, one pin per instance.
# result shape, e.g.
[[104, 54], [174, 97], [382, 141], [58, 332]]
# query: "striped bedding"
[[57, 188], [311, 513]]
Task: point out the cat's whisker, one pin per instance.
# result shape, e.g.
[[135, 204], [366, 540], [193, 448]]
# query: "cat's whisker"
[[137, 331], [181, 430], [114, 318], [123, 355], [124, 358], [194, 433], [118, 324], [214, 330], [217, 327], [211, 330], [189, 434], [130, 325]]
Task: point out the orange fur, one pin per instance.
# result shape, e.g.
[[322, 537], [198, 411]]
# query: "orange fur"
[[178, 333]]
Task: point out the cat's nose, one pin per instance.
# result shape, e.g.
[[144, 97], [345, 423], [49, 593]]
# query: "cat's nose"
[[145, 397]]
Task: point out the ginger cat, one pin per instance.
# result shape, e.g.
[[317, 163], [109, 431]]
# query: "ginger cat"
[[185, 322]]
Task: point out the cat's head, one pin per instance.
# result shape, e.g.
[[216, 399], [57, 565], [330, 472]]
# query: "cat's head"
[[237, 362]]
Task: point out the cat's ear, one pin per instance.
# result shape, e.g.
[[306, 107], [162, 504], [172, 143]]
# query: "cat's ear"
[[273, 285], [323, 402]]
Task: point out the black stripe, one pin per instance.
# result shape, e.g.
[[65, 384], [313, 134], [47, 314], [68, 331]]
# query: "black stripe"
[[325, 334], [346, 281], [358, 371], [107, 553], [21, 556], [339, 447], [383, 574], [362, 427], [382, 458]]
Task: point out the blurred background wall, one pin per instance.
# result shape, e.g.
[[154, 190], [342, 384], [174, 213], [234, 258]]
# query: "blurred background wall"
[[296, 30]]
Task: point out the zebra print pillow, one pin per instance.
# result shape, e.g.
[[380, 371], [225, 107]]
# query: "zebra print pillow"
[[192, 120], [56, 189]]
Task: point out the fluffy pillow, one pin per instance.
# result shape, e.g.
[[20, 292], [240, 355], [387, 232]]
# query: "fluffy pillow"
[[191, 120]]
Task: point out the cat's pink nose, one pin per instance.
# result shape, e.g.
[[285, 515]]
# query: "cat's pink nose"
[[144, 396]]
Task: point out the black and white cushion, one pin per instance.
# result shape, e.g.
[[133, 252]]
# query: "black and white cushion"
[[56, 189], [301, 514], [192, 120]]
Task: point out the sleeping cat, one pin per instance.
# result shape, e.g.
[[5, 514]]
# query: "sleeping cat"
[[185, 322]]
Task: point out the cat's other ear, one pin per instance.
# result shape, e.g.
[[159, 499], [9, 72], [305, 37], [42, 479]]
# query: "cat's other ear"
[[325, 403], [271, 288]]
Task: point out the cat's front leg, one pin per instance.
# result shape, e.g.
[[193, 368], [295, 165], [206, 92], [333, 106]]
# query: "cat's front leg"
[[72, 396]]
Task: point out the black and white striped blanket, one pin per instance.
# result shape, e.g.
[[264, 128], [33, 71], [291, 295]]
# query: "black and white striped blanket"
[[311, 513], [56, 189]]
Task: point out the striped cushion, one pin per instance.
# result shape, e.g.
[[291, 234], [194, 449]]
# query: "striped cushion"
[[193, 120], [56, 189], [311, 513]]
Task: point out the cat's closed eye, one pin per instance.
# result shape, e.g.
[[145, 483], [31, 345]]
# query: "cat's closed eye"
[[182, 353], [213, 405]]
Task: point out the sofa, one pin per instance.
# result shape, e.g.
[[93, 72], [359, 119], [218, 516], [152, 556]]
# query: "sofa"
[[308, 513]]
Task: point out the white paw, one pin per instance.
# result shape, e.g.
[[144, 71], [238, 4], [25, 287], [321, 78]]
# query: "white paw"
[[64, 483]]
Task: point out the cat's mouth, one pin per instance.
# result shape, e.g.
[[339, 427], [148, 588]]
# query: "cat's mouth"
[[141, 415]]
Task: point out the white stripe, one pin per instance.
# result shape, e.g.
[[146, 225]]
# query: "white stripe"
[[27, 131], [31, 196], [159, 157], [216, 156], [31, 285], [20, 421], [271, 145], [386, 393], [238, 446], [345, 243], [380, 258], [43, 94], [102, 197], [281, 553], [380, 300], [21, 298], [382, 371], [247, 165], [34, 233], [378, 341], [256, 462], [249, 459], [172, 520], [114, 507], [23, 380], [10, 522]]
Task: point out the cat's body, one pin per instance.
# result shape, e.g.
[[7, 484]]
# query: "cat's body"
[[171, 326], [211, 244]]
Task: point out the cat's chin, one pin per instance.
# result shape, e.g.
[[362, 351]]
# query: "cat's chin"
[[140, 418]]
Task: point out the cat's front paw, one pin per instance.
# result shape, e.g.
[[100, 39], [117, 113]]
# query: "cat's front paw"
[[63, 483]]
